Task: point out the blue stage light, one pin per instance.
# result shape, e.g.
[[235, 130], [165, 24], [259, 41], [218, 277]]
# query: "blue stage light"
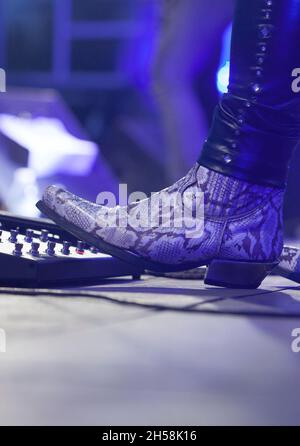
[[223, 78], [223, 72]]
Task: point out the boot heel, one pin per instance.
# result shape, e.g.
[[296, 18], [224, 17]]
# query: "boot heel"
[[237, 274]]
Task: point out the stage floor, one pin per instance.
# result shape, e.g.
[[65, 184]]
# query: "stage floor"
[[154, 352]]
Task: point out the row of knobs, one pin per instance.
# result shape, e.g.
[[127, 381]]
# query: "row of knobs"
[[44, 237]]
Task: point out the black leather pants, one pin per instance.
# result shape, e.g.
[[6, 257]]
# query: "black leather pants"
[[257, 123]]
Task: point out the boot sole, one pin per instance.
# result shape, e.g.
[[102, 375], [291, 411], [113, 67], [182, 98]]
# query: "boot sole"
[[237, 274], [224, 273]]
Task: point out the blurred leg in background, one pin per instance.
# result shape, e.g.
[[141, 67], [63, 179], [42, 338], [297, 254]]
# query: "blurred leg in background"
[[190, 31]]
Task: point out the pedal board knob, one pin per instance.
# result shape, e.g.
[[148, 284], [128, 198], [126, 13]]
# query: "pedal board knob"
[[66, 248], [44, 235], [80, 247], [29, 235], [13, 236], [51, 248], [18, 249], [35, 249]]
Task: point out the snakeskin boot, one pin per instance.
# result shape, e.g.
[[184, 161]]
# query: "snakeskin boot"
[[289, 265], [238, 234]]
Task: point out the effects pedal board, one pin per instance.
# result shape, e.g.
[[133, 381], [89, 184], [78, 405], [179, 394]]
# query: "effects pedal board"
[[37, 253]]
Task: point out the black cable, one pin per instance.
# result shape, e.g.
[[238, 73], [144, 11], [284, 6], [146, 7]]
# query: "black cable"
[[188, 309]]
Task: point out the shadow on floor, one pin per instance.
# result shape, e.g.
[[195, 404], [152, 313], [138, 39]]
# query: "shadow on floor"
[[281, 301]]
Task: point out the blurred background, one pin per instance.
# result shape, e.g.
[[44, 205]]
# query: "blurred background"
[[102, 92]]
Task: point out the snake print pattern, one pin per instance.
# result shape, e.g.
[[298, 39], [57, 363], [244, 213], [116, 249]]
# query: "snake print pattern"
[[290, 260], [241, 221]]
